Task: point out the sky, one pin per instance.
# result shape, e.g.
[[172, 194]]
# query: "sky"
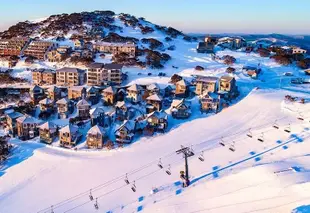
[[190, 16]]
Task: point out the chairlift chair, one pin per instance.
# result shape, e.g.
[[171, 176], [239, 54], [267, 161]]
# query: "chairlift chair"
[[133, 187], [126, 179], [160, 165], [91, 196], [288, 129], [300, 117], [96, 204], [201, 157], [249, 134], [261, 138], [232, 147], [275, 125], [52, 207], [168, 171], [222, 142]]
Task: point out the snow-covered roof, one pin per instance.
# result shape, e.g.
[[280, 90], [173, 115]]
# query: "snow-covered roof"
[[82, 102], [160, 115], [96, 66], [69, 128], [113, 66], [76, 88], [14, 115], [152, 86], [46, 101], [177, 102], [120, 104], [96, 111], [48, 125], [110, 89], [96, 130], [128, 124], [28, 119], [226, 78], [206, 79], [52, 88], [91, 89], [102, 43], [35, 87], [154, 97], [134, 87], [70, 69], [63, 101]]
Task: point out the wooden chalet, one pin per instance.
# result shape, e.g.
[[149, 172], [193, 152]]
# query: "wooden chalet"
[[206, 84], [27, 127], [83, 108], [64, 107], [54, 93], [157, 120], [154, 103], [135, 93], [11, 122], [182, 88], [109, 95], [123, 111], [92, 95], [69, 136], [46, 105], [36, 94], [209, 103], [97, 116], [228, 88], [76, 92], [125, 132], [48, 132], [95, 137], [180, 109]]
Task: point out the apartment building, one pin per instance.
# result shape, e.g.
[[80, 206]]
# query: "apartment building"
[[95, 74], [13, 46], [113, 73], [42, 76], [115, 48], [70, 77], [39, 49]]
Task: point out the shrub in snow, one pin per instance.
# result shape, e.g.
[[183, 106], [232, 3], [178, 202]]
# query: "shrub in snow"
[[263, 52], [228, 59], [304, 63], [171, 48], [230, 70], [282, 59], [199, 68], [154, 43]]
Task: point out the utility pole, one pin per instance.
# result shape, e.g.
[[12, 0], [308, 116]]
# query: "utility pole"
[[187, 152]]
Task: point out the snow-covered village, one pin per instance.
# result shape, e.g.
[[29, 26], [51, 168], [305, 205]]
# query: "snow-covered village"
[[110, 112]]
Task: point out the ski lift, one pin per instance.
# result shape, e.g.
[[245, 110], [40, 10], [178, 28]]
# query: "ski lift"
[[160, 165], [249, 134], [261, 137], [52, 207], [168, 171], [288, 129], [222, 142], [96, 204], [126, 179], [275, 125], [300, 117], [133, 187], [91, 196], [201, 157], [232, 147]]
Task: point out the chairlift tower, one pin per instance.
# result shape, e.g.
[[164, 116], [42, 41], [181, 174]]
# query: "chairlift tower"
[[187, 152]]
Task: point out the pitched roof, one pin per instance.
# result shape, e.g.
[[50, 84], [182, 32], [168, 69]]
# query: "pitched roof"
[[134, 87], [82, 102], [177, 102], [110, 89], [95, 111], [128, 124], [91, 89], [27, 119], [69, 128], [152, 86], [113, 66], [48, 125], [53, 89], [206, 79], [46, 101], [160, 115], [96, 130], [70, 69], [96, 66], [154, 97], [227, 78], [122, 103], [35, 87], [63, 101], [76, 88]]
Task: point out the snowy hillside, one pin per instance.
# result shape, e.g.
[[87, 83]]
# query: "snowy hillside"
[[268, 172]]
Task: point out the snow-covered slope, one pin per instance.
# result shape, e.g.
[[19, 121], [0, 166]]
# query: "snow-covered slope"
[[269, 177]]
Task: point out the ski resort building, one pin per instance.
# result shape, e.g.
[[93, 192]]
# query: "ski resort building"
[[206, 84], [83, 108], [109, 95], [125, 133], [27, 127], [70, 77], [11, 122], [47, 132], [158, 120], [54, 93], [95, 74], [13, 46], [181, 109], [43, 77], [116, 48], [69, 136], [95, 137], [64, 108], [154, 103], [135, 93], [39, 49]]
